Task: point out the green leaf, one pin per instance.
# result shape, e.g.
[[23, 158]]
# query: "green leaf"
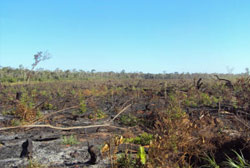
[[142, 155]]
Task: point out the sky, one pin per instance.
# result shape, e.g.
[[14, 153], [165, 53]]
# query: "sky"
[[149, 36]]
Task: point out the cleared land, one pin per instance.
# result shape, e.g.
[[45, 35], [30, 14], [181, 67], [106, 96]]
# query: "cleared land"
[[125, 123]]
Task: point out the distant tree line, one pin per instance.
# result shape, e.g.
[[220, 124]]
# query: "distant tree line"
[[21, 74]]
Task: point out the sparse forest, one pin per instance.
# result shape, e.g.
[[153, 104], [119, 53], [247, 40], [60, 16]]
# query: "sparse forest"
[[14, 75]]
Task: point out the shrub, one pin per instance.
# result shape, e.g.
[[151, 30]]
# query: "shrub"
[[211, 163], [25, 113], [70, 140], [98, 114], [128, 120], [48, 106], [173, 141], [142, 155], [15, 122], [34, 164], [83, 106], [143, 139], [239, 163], [126, 161]]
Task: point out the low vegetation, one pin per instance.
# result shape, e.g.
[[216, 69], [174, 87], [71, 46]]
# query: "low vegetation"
[[70, 140], [187, 120]]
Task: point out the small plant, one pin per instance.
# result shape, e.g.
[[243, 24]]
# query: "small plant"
[[208, 100], [98, 114], [43, 93], [48, 106], [143, 139], [39, 114], [87, 92], [25, 113], [211, 161], [83, 106], [25, 110], [190, 102], [70, 140], [7, 112], [239, 163], [131, 161], [34, 164], [142, 155], [128, 120], [126, 161], [27, 100], [16, 122]]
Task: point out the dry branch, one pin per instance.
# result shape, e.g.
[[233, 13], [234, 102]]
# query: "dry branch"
[[242, 121], [120, 112], [228, 82], [58, 128], [106, 124], [52, 113]]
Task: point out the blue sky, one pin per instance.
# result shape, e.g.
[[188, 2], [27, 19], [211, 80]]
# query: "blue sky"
[[134, 35]]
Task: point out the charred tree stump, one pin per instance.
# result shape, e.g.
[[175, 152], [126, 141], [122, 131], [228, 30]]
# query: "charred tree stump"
[[94, 152], [18, 95], [199, 84], [27, 149]]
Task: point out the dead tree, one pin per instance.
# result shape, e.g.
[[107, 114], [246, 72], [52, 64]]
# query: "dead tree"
[[199, 84], [40, 56], [228, 82]]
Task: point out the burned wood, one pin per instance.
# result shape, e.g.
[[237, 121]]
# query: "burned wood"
[[94, 152], [27, 148], [199, 84], [39, 104], [18, 95], [228, 82]]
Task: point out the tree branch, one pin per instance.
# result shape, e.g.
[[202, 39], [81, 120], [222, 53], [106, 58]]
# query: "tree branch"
[[58, 128]]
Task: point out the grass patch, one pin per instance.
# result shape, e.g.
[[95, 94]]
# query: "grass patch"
[[128, 120], [240, 162], [143, 139], [70, 140]]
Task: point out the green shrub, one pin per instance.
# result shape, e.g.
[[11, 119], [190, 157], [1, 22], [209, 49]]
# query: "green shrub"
[[128, 120], [211, 163], [15, 122], [48, 106], [126, 161], [83, 106], [70, 140], [100, 114], [35, 164], [142, 155], [143, 139], [239, 163]]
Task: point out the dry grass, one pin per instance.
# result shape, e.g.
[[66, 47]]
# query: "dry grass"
[[25, 113]]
